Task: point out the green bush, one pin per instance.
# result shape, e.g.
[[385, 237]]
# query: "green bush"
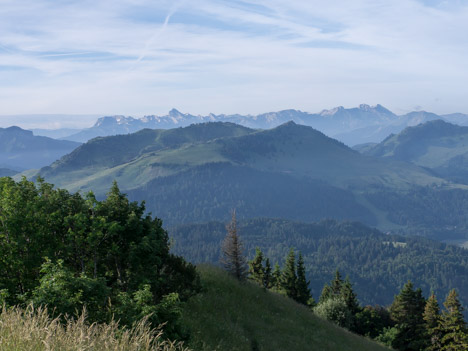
[[335, 310]]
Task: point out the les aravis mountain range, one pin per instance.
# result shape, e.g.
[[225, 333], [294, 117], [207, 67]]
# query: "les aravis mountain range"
[[379, 196]]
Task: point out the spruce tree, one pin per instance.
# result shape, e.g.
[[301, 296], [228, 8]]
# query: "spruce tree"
[[232, 257], [407, 311], [288, 277], [336, 284], [326, 294], [432, 321], [302, 285], [453, 325], [276, 277], [256, 270], [267, 276], [349, 296]]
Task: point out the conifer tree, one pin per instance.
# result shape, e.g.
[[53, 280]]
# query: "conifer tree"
[[232, 257], [432, 321], [349, 296], [276, 277], [302, 285], [267, 276], [326, 293], [256, 270], [288, 277], [407, 311], [453, 325], [336, 284]]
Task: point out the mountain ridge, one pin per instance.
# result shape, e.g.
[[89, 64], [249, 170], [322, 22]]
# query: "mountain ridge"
[[436, 145], [355, 125], [20, 149]]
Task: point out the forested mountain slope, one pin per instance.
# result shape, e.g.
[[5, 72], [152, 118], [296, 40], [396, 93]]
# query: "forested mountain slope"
[[378, 264], [199, 173]]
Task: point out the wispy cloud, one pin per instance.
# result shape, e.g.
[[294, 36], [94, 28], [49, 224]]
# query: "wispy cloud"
[[141, 57]]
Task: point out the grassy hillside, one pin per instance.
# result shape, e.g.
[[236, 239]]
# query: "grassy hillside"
[[233, 316]]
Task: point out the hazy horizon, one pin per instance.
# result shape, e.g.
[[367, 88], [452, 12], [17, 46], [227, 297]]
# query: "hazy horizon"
[[140, 58], [80, 121]]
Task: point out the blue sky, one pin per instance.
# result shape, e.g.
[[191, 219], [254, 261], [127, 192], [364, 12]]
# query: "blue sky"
[[139, 57]]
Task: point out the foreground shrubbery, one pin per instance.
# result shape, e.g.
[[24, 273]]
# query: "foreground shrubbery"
[[33, 330], [70, 252]]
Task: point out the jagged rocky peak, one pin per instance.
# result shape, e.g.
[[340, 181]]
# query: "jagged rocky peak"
[[110, 120], [332, 111], [175, 113]]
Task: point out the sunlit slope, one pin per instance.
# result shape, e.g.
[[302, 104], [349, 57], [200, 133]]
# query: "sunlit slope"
[[298, 151], [229, 315], [132, 159], [437, 145]]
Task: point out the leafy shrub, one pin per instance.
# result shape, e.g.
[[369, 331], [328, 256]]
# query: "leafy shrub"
[[335, 310]]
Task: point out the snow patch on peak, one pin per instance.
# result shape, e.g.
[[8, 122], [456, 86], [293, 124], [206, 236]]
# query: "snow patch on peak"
[[332, 111]]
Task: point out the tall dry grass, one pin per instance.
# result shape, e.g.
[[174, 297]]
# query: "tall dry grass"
[[32, 329]]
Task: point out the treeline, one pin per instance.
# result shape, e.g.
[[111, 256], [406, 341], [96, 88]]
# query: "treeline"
[[377, 263], [71, 252], [411, 322]]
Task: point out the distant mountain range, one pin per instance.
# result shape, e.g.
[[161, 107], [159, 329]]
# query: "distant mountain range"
[[21, 150], [352, 126]]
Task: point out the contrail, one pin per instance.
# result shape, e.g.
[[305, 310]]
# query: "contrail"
[[158, 32]]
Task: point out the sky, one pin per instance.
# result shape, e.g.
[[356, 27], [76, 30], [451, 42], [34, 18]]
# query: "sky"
[[139, 57]]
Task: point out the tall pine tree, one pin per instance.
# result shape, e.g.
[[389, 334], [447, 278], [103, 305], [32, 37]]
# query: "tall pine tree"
[[349, 296], [453, 325], [256, 269], [232, 256], [267, 276], [326, 294], [432, 321], [303, 294], [276, 277], [336, 284], [288, 277], [407, 311]]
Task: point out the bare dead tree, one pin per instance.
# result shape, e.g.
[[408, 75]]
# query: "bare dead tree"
[[232, 258]]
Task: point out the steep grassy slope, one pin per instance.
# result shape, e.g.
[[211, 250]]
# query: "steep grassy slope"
[[233, 316]]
